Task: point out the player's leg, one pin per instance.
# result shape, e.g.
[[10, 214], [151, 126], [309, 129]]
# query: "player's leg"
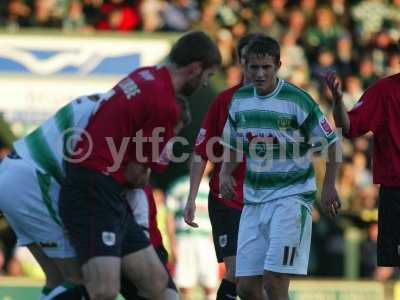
[[96, 218], [289, 236], [145, 270], [130, 291], [252, 247], [28, 210], [185, 268], [171, 293], [207, 266], [388, 239], [225, 235], [276, 285], [53, 274], [250, 287]]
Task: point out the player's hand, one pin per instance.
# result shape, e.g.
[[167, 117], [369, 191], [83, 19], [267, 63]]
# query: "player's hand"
[[137, 175], [227, 186], [189, 212], [330, 201], [333, 84]]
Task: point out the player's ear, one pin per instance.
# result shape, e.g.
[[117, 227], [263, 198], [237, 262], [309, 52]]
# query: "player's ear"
[[278, 65]]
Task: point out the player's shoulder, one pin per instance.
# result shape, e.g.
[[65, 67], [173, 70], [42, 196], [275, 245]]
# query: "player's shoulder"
[[245, 91], [386, 82], [148, 76], [294, 94]]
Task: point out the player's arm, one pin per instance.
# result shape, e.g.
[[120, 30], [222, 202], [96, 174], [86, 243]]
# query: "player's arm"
[[171, 206], [339, 110], [329, 197], [196, 174], [207, 131], [227, 183], [137, 175]]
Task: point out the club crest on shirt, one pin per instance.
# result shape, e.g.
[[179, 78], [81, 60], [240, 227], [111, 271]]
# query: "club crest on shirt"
[[108, 238], [201, 136], [223, 240], [284, 123], [326, 127]]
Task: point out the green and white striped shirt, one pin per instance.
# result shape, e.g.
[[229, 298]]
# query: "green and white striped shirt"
[[47, 146], [176, 201], [277, 133]]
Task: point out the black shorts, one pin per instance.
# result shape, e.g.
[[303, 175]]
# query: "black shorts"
[[96, 216], [388, 227], [225, 228]]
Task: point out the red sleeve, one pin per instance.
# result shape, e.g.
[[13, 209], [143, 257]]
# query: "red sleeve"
[[367, 114], [208, 129]]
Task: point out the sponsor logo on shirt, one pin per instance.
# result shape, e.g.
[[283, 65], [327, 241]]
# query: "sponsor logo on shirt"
[[146, 75], [108, 238], [326, 127], [129, 87], [201, 136]]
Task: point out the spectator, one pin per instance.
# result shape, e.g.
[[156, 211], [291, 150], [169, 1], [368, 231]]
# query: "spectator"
[[296, 23], [267, 24], [345, 56], [118, 16], [179, 15], [233, 76], [75, 19], [18, 13], [292, 56], [151, 15], [367, 72], [325, 31], [353, 91], [369, 16], [44, 15], [363, 176], [345, 184]]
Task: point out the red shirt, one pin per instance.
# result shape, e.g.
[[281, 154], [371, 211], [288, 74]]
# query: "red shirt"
[[212, 128], [141, 104], [378, 111]]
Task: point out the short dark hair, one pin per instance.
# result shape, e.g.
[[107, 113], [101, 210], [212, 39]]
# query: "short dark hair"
[[264, 45], [195, 46], [244, 41]]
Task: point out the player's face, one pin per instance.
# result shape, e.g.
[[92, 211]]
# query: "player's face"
[[262, 72], [201, 79]]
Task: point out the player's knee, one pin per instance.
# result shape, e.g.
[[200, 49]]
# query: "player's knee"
[[155, 283], [246, 290], [230, 269], [159, 281], [276, 282], [230, 273]]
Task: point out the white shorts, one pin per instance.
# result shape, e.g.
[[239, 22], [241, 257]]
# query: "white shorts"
[[274, 236], [29, 201], [196, 262]]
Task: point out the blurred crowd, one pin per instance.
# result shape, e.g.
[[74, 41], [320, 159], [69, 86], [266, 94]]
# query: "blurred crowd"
[[356, 38]]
